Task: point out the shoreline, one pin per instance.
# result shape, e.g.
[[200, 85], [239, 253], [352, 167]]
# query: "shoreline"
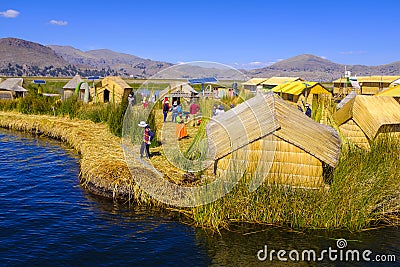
[[103, 170]]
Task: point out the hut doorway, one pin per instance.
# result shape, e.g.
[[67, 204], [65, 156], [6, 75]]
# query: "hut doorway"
[[106, 97], [177, 100]]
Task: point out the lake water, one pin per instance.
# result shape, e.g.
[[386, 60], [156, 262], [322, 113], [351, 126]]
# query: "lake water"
[[47, 219]]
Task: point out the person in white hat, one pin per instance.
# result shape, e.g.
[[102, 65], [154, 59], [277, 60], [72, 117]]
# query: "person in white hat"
[[147, 137], [130, 99]]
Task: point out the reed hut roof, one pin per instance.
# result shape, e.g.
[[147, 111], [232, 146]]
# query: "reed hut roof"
[[267, 114], [297, 87], [113, 82], [370, 113], [73, 83], [255, 81], [375, 79], [13, 84], [178, 90], [392, 91], [279, 80]]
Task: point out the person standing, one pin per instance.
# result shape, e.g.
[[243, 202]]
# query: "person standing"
[[147, 137], [130, 100], [145, 103], [165, 110], [193, 109], [174, 111], [308, 110]]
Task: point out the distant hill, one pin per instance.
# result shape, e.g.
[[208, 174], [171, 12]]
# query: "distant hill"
[[124, 64], [21, 52], [315, 68], [24, 58]]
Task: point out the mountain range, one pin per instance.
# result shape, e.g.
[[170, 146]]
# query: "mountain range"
[[24, 58]]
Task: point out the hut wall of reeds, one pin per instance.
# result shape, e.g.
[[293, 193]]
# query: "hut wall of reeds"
[[364, 118], [290, 146], [112, 89], [370, 85]]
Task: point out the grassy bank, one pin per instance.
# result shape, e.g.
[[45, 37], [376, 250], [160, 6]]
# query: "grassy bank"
[[110, 114], [365, 191]]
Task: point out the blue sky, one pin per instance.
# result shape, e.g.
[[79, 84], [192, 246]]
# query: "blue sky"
[[237, 33]]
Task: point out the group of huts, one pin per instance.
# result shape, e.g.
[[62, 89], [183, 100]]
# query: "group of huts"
[[293, 89], [294, 149], [267, 134], [109, 89]]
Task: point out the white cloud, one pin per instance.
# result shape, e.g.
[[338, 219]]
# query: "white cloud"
[[252, 65], [351, 52], [58, 22], [9, 13]]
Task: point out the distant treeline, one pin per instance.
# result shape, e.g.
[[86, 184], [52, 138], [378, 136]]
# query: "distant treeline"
[[16, 70]]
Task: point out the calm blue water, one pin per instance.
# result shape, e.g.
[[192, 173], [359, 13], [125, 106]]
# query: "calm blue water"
[[46, 219]]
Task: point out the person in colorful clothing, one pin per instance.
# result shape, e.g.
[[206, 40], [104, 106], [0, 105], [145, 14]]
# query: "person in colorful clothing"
[[147, 137]]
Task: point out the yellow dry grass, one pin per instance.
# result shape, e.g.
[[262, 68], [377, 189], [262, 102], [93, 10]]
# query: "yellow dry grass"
[[159, 159]]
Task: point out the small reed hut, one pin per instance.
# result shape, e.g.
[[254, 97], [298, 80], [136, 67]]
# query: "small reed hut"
[[177, 91], [266, 131], [112, 89], [70, 87], [11, 88], [364, 118]]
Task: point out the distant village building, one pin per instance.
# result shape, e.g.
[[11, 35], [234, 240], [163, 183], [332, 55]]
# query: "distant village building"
[[300, 92], [253, 84], [369, 85], [11, 88], [275, 81]]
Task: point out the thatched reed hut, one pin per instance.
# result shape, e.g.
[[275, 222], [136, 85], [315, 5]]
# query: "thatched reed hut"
[[364, 118], [392, 91], [275, 81], [301, 92], [112, 89], [11, 88], [269, 137], [177, 91], [70, 87], [369, 85], [253, 84]]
